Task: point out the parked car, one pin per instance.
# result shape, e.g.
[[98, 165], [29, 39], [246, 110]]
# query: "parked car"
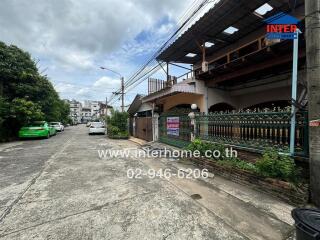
[[58, 126], [97, 128], [37, 129], [88, 124]]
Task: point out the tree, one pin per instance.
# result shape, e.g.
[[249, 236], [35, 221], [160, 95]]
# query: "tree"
[[25, 94]]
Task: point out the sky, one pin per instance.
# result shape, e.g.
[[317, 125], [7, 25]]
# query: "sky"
[[71, 39]]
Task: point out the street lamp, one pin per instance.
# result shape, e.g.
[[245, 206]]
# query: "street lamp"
[[122, 88], [108, 69]]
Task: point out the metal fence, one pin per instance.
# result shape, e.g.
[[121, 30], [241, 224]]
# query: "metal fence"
[[254, 130]]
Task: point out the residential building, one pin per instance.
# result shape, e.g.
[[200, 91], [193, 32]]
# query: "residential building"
[[140, 119], [86, 115], [235, 68], [103, 110], [95, 107], [75, 111]]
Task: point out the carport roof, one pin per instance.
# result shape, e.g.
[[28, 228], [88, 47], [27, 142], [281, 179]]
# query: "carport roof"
[[209, 28]]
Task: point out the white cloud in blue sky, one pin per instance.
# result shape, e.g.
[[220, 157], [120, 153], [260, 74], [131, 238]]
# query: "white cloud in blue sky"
[[72, 38]]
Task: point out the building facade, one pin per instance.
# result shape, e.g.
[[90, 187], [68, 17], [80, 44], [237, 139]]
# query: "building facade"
[[75, 111], [236, 70]]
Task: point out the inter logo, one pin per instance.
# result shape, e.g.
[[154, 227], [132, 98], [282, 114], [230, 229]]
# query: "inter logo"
[[282, 26]]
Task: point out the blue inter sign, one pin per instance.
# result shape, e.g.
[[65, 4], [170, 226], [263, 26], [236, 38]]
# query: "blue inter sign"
[[275, 35]]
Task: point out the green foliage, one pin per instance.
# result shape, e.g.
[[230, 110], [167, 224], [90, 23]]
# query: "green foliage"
[[24, 111], [238, 163], [25, 94], [272, 164], [15, 114], [113, 130], [119, 119], [275, 165], [4, 109], [117, 125], [203, 146]]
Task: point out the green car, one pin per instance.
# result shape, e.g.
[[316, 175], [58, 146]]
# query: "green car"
[[37, 129]]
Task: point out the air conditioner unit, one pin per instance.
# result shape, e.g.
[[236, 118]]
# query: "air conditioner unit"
[[205, 66]]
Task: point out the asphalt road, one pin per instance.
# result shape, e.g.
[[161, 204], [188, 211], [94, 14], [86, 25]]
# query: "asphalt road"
[[59, 188]]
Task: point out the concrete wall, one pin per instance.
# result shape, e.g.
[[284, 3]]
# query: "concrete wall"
[[216, 96]]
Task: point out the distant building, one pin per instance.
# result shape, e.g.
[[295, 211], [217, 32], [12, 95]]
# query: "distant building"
[[89, 110], [75, 111], [103, 109], [95, 107], [86, 114]]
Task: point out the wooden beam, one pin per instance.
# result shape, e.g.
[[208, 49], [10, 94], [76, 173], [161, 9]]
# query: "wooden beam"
[[253, 68]]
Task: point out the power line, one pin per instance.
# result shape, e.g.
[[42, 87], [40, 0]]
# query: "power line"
[[141, 74]]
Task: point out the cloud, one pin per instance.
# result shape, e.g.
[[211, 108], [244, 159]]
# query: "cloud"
[[72, 38], [84, 92], [73, 32], [106, 82], [63, 88]]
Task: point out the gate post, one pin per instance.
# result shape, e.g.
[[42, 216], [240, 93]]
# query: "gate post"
[[155, 126], [134, 126], [191, 115]]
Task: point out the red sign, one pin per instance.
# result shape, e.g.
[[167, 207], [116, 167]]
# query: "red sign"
[[173, 125], [314, 123]]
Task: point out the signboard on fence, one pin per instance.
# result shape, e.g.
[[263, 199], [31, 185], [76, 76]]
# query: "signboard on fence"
[[173, 125]]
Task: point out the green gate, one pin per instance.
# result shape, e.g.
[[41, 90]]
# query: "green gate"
[[175, 129]]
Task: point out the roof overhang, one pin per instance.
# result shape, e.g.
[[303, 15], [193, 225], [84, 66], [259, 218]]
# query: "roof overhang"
[[210, 27], [134, 106]]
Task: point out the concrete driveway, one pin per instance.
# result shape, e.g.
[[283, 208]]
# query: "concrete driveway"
[[59, 188]]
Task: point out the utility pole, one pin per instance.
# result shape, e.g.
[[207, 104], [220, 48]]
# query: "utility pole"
[[122, 94], [106, 106], [122, 86], [312, 16]]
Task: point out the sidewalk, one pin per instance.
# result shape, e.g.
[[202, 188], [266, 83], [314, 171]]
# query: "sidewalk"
[[256, 215], [138, 141]]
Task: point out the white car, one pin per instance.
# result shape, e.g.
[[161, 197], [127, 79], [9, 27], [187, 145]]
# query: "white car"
[[97, 128], [58, 126]]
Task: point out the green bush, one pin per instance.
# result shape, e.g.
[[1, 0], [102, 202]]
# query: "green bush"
[[275, 165], [202, 147], [240, 164], [117, 125], [119, 120], [272, 164], [113, 130]]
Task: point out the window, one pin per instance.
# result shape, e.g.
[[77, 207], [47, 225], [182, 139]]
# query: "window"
[[231, 30]]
